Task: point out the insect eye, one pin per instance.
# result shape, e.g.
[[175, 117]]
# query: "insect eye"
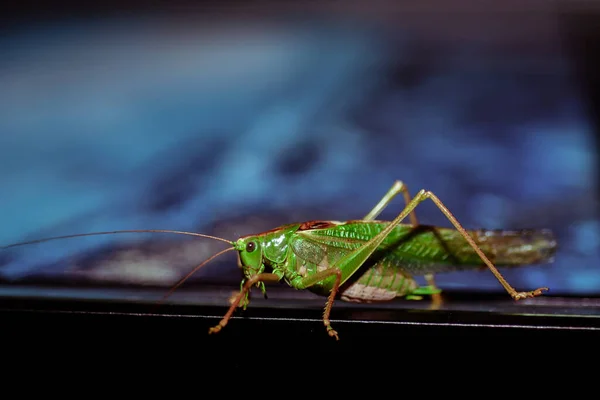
[[250, 247]]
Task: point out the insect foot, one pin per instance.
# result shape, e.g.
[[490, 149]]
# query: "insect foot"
[[533, 293], [332, 333], [330, 330], [215, 329]]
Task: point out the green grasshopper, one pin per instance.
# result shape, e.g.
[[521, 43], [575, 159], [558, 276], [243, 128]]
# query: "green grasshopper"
[[369, 260]]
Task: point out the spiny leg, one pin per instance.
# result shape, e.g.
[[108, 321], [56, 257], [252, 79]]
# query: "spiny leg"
[[318, 277], [242, 294], [397, 188], [423, 195]]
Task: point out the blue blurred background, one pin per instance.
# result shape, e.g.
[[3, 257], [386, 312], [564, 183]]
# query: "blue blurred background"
[[234, 120]]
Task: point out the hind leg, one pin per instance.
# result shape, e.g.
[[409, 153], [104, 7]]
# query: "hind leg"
[[397, 188]]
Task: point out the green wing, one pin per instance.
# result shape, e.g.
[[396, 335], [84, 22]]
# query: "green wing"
[[422, 249], [319, 249], [379, 278]]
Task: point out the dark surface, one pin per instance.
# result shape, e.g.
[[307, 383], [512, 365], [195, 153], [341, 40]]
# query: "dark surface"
[[278, 342], [288, 323]]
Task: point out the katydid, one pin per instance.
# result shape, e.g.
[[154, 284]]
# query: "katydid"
[[369, 260]]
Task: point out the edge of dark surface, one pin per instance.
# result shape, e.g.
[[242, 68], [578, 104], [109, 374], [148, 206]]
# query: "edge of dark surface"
[[289, 319], [265, 340]]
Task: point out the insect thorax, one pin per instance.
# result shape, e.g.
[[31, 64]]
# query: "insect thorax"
[[275, 244]]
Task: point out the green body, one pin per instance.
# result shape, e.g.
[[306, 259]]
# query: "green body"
[[297, 251]]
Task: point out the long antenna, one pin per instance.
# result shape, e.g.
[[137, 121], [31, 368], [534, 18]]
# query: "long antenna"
[[192, 272], [139, 231], [113, 232]]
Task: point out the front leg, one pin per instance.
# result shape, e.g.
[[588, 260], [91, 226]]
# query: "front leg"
[[241, 295], [246, 299]]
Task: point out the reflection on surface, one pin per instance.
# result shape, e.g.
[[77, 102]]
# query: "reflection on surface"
[[286, 298]]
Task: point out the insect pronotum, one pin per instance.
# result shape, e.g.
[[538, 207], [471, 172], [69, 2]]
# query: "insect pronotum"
[[369, 260]]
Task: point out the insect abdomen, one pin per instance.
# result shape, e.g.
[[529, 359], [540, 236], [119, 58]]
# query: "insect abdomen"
[[377, 285], [360, 293]]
